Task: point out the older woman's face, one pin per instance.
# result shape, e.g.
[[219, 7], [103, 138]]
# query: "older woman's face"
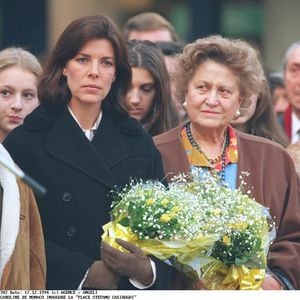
[[212, 96]]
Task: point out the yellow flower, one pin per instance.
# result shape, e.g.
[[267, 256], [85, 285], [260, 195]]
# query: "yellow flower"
[[150, 201], [175, 209], [164, 201], [226, 240], [165, 218], [240, 226]]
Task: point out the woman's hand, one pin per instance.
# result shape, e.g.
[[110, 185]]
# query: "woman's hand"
[[133, 265], [270, 283], [99, 277]]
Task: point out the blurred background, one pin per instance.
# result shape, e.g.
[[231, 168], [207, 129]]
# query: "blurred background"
[[270, 25]]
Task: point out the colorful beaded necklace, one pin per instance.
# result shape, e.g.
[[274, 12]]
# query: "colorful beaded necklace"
[[222, 156]]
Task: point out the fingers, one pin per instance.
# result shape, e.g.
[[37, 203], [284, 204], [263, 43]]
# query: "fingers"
[[111, 252], [130, 247], [133, 264], [126, 245]]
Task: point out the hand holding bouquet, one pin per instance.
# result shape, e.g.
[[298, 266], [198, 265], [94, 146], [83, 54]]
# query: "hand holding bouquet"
[[206, 230]]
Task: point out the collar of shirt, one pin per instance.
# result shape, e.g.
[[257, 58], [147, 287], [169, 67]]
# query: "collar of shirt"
[[295, 128], [196, 158], [89, 133]]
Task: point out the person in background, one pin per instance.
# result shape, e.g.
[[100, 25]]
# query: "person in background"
[[291, 73], [19, 73], [22, 252], [217, 78], [149, 26], [278, 94], [259, 117], [149, 98], [170, 50], [83, 145], [155, 28]]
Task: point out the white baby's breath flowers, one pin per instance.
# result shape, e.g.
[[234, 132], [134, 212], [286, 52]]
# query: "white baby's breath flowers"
[[191, 208]]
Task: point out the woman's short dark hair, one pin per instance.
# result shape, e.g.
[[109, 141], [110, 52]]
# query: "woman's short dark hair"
[[53, 86], [163, 115]]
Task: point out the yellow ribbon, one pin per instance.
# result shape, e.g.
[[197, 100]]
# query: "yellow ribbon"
[[159, 248], [113, 230], [245, 278], [192, 257], [221, 277]]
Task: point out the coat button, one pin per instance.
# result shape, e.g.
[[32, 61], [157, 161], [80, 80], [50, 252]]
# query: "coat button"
[[71, 231], [67, 197]]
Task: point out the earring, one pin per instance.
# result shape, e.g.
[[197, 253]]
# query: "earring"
[[184, 104], [237, 114]]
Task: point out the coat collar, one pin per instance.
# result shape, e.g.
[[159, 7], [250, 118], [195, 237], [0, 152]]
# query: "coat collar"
[[171, 140], [67, 143]]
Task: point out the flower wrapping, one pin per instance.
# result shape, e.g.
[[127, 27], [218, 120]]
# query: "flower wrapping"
[[206, 230]]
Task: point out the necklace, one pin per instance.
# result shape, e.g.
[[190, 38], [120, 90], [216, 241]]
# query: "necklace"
[[222, 155]]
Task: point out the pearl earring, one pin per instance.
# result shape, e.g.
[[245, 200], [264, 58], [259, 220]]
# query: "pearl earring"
[[184, 104], [237, 114]]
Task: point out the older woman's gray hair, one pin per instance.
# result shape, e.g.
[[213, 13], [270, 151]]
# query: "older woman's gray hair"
[[239, 56]]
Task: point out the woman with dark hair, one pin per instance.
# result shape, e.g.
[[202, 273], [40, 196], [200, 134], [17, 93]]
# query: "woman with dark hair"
[[80, 144], [149, 99], [259, 118]]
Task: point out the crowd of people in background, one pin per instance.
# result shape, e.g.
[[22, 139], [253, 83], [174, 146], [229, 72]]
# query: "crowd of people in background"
[[110, 106]]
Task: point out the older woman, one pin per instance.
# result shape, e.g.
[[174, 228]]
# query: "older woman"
[[216, 77]]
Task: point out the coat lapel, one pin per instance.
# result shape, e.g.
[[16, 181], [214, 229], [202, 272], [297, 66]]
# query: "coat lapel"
[[68, 143]]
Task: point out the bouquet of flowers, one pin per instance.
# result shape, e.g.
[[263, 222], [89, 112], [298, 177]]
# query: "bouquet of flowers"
[[206, 230]]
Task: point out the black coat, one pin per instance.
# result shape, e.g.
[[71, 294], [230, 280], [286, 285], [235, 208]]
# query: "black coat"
[[78, 175]]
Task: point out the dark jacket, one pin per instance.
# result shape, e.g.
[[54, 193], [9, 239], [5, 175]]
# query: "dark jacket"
[[273, 182], [78, 175]]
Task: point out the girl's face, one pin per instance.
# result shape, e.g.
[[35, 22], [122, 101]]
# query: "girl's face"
[[140, 97], [18, 97], [212, 96], [90, 73]]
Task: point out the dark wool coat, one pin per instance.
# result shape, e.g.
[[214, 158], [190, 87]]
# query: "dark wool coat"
[[78, 175], [273, 182]]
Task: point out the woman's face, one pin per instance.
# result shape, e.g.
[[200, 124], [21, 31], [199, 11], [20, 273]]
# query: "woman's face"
[[212, 96], [18, 97], [140, 97], [90, 73]]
